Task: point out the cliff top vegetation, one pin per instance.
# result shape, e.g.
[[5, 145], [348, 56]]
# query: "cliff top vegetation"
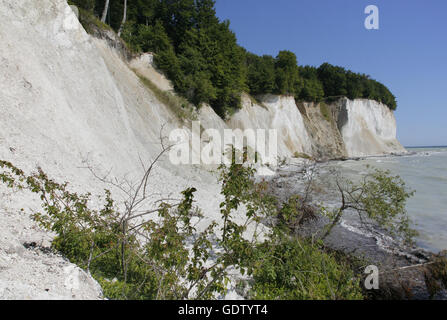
[[201, 56]]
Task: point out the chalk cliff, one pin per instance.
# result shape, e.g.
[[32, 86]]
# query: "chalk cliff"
[[68, 101], [341, 129], [367, 128], [275, 112]]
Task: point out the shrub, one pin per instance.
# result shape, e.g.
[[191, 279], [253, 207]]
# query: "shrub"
[[436, 273], [147, 254], [379, 197], [158, 253], [293, 269]]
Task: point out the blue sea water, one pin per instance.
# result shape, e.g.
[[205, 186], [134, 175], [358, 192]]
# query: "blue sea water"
[[425, 171]]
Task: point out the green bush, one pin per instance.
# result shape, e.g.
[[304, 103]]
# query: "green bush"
[[293, 269], [165, 257]]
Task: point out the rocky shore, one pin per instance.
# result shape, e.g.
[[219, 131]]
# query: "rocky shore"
[[403, 270]]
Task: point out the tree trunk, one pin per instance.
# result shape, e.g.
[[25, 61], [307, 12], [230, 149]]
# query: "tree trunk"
[[104, 13], [124, 19]]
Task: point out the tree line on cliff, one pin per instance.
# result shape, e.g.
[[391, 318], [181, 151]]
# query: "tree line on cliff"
[[200, 55]]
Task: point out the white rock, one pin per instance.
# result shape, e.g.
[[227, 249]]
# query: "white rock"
[[368, 128]]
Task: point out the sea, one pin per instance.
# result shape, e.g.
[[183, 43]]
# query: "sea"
[[424, 170]]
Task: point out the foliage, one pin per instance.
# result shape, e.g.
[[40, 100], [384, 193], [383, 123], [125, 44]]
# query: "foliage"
[[164, 257], [379, 197], [147, 37], [90, 22], [312, 89], [293, 269], [87, 5], [200, 55], [261, 74], [158, 254], [325, 112], [339, 82], [436, 273], [281, 267], [287, 76], [102, 242]]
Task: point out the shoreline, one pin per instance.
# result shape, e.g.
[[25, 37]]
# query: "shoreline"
[[404, 275]]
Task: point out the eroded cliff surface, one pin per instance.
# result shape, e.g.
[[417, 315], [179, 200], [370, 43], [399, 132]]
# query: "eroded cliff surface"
[[69, 101], [341, 129], [275, 112], [367, 127], [320, 122]]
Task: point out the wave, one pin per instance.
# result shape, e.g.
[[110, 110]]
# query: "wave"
[[383, 241]]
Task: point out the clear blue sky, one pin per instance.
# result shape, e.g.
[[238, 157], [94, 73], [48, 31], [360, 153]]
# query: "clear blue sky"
[[408, 53]]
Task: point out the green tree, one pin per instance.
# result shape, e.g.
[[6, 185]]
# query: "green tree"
[[354, 85], [205, 14], [333, 80], [261, 76], [312, 89], [200, 55], [149, 38], [178, 17], [287, 75], [88, 5]]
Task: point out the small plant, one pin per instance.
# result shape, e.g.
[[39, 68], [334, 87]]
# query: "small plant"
[[325, 111], [294, 213]]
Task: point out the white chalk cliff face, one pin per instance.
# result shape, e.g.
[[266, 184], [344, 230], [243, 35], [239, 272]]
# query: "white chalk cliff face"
[[68, 101], [279, 113], [353, 128], [368, 128]]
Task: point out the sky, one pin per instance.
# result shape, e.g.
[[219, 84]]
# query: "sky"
[[408, 53]]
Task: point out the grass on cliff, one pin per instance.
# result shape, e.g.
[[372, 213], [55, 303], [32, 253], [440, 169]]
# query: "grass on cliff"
[[181, 107], [91, 23], [325, 111]]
